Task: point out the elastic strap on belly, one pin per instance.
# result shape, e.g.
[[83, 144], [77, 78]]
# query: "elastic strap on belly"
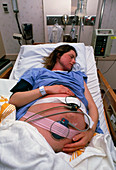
[[53, 126]]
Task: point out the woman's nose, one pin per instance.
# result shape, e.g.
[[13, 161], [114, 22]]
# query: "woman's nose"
[[73, 61]]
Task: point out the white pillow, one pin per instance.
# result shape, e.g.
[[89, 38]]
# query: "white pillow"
[[31, 56]]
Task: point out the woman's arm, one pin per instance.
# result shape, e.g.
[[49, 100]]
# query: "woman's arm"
[[82, 139], [20, 99], [93, 112]]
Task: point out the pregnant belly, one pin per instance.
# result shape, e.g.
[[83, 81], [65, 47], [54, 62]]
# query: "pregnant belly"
[[51, 108], [76, 119]]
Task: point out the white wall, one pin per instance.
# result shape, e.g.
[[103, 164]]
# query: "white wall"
[[29, 12], [109, 74], [32, 12], [55, 7]]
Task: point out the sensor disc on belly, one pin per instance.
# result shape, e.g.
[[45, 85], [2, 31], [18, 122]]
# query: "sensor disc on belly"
[[64, 122]]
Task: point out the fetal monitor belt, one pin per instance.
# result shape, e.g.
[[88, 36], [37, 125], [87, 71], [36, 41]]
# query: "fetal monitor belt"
[[67, 100], [53, 126]]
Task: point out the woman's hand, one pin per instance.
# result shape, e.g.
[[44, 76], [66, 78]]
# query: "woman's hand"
[[58, 89], [81, 140]]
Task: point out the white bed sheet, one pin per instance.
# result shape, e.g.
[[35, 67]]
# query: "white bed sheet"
[[5, 86], [31, 56]]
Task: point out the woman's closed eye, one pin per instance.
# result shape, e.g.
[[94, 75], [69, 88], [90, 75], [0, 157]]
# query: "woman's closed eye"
[[72, 56]]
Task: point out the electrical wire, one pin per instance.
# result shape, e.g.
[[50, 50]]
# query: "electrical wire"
[[73, 109], [109, 67], [16, 16], [46, 110], [105, 93], [54, 114], [64, 113]]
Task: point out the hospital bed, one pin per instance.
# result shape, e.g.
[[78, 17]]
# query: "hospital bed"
[[32, 56]]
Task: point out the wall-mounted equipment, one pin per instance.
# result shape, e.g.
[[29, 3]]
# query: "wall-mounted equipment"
[[5, 7], [15, 10], [19, 37], [65, 19], [61, 19], [81, 8], [81, 12], [27, 31], [15, 6], [89, 20], [102, 42]]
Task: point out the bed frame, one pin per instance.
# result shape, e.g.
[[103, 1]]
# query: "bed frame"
[[6, 73], [109, 101]]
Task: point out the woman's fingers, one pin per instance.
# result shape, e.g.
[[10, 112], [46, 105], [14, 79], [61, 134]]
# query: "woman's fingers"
[[80, 141]]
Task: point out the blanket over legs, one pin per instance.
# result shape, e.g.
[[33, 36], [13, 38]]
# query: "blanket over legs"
[[23, 147], [98, 155]]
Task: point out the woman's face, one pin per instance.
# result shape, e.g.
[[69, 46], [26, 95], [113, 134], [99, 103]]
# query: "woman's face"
[[67, 60]]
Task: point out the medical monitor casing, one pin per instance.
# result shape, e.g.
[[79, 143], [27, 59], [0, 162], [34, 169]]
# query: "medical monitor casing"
[[102, 42]]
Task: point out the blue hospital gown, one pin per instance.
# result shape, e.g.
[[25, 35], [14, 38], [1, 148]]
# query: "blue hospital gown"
[[38, 77]]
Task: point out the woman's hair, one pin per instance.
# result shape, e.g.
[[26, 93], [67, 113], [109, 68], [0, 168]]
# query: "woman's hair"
[[50, 61]]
